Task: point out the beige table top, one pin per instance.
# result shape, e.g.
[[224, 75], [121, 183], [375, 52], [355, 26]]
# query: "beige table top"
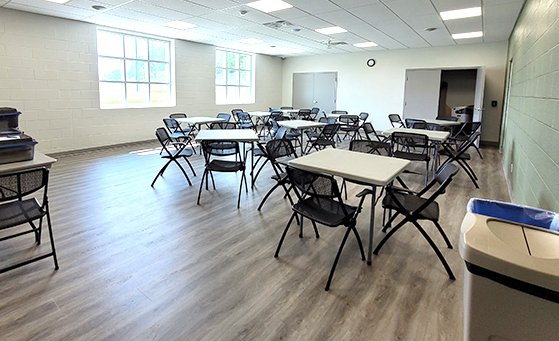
[[199, 120], [443, 123], [39, 160], [300, 124], [433, 135], [239, 135], [362, 167]]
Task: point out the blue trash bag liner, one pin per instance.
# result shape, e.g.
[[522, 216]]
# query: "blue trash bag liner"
[[524, 215]]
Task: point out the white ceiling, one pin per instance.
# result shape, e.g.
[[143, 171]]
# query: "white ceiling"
[[392, 24]]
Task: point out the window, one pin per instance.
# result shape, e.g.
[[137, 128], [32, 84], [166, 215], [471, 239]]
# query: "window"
[[134, 71], [234, 77]]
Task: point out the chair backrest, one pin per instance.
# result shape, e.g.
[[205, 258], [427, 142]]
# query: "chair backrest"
[[364, 116], [329, 131], [163, 137], [220, 148], [15, 186], [395, 120], [314, 185], [314, 113], [445, 174], [280, 133], [349, 120], [224, 116], [447, 118], [304, 114], [370, 130], [286, 108], [177, 115], [409, 143], [172, 124], [276, 114], [223, 125], [363, 146], [329, 120], [279, 148], [243, 117], [235, 111], [415, 123], [434, 126]]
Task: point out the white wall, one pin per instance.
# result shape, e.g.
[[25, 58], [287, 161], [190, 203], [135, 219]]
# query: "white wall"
[[48, 70], [380, 90]]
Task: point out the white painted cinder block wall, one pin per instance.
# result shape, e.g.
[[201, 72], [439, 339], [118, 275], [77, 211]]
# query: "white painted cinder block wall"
[[48, 70], [380, 90]]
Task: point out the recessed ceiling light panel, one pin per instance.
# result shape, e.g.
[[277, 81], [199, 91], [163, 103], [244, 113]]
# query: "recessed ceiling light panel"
[[268, 6], [331, 30], [467, 35], [366, 44], [59, 1], [461, 13], [180, 25]]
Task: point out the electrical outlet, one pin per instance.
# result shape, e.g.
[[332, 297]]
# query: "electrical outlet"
[[511, 167]]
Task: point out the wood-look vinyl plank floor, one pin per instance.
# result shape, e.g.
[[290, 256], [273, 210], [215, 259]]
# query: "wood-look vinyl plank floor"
[[143, 263]]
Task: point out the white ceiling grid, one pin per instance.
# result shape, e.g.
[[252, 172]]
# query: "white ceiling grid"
[[392, 24]]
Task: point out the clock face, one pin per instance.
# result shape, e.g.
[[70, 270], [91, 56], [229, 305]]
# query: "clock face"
[[371, 62]]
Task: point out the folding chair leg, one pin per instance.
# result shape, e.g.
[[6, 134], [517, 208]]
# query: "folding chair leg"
[[315, 229], [51, 237], [183, 171], [189, 165], [436, 249], [388, 235], [359, 242], [336, 259], [241, 188], [390, 221], [204, 176], [301, 227], [440, 228], [283, 235], [161, 171], [478, 151], [268, 195]]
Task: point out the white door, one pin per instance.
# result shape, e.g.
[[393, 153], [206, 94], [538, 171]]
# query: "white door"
[[303, 90], [325, 90], [478, 98], [315, 90], [421, 93]]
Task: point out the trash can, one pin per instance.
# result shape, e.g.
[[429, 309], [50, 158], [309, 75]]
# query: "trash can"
[[511, 277]]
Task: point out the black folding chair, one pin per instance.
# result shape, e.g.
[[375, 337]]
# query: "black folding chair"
[[177, 133], [319, 200], [225, 116], [213, 151], [304, 114], [244, 121], [349, 124], [415, 123], [396, 121], [173, 155], [416, 206], [314, 113], [461, 156], [377, 144], [413, 147], [326, 137], [466, 130], [19, 206], [276, 150], [177, 115]]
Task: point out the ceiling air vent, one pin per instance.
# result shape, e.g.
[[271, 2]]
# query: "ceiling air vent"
[[278, 24], [330, 43]]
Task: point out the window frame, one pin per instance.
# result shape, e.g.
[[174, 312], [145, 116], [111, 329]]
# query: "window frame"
[[125, 59], [238, 99]]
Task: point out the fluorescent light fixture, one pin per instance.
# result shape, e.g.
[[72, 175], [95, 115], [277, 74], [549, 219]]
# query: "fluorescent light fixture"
[[59, 1], [251, 41], [268, 6], [467, 35], [461, 13], [331, 30], [365, 44], [180, 25]]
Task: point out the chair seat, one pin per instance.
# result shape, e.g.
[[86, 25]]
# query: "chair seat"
[[19, 212], [178, 135], [411, 203], [324, 142], [225, 166], [411, 156], [246, 125], [325, 211]]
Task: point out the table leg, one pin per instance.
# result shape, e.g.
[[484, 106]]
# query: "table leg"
[[371, 225], [252, 164], [302, 148]]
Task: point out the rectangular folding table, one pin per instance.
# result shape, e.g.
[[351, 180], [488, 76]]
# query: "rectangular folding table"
[[363, 168]]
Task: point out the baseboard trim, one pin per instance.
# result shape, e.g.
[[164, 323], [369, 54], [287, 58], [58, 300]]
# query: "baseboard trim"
[[99, 148]]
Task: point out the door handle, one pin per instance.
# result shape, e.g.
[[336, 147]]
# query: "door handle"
[[315, 101]]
